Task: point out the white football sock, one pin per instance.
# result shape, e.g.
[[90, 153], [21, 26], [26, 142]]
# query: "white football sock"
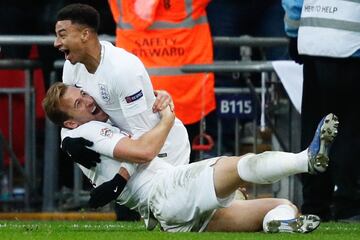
[[271, 166], [281, 212]]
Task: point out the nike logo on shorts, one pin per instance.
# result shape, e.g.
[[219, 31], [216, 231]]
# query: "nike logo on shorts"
[[115, 190]]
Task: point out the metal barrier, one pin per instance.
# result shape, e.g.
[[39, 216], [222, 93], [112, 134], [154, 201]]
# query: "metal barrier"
[[30, 174], [218, 41], [230, 66]]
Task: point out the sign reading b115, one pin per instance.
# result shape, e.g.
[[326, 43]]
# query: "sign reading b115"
[[235, 106]]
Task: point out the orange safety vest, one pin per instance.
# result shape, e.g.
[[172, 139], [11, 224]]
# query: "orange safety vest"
[[166, 36]]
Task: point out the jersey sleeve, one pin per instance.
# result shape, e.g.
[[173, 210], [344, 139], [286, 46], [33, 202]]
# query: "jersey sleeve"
[[292, 16], [130, 83], [67, 75], [70, 72], [104, 136]]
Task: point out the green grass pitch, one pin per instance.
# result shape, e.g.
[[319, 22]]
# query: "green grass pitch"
[[106, 230]]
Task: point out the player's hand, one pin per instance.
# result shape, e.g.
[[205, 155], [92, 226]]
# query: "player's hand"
[[76, 149], [163, 99], [293, 51], [107, 192], [167, 113]]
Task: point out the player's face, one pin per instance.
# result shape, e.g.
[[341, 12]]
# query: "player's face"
[[70, 40], [81, 107]]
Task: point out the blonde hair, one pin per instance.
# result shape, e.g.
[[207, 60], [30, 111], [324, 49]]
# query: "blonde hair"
[[51, 103]]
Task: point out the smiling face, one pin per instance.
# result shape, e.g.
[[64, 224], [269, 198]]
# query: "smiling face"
[[70, 39], [81, 108]]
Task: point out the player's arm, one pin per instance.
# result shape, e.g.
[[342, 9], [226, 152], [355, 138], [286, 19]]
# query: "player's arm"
[[148, 146], [110, 190]]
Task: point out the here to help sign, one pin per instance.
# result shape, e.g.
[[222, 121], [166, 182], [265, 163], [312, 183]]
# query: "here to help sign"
[[235, 106]]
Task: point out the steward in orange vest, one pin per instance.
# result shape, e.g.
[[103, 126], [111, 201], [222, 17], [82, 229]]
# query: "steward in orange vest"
[[165, 35]]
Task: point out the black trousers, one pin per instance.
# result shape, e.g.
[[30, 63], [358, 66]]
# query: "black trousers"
[[333, 85]]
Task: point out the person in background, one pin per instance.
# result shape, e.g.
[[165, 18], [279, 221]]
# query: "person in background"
[[325, 38]]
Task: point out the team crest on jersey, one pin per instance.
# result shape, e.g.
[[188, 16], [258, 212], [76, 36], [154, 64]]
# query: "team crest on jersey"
[[106, 132], [134, 97], [104, 93]]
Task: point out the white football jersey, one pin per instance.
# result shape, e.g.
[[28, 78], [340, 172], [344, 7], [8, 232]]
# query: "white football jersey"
[[105, 137], [122, 88], [142, 176]]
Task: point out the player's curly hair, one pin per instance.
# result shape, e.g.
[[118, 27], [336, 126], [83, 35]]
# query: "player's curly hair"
[[82, 14], [51, 103]]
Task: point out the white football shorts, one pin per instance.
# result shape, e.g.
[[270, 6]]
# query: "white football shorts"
[[183, 198]]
